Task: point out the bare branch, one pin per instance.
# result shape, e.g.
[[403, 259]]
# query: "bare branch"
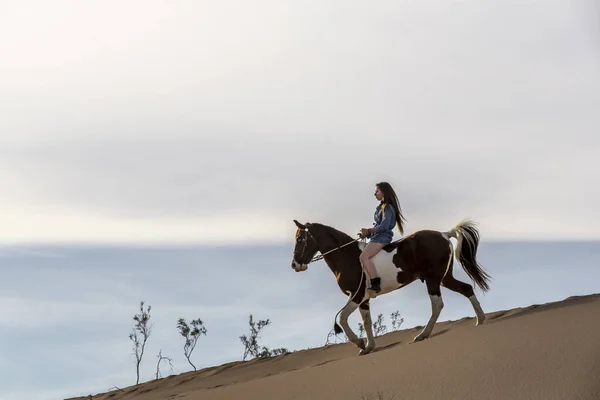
[[162, 358], [329, 336], [336, 339]]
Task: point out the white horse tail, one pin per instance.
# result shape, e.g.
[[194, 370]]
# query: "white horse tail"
[[467, 242]]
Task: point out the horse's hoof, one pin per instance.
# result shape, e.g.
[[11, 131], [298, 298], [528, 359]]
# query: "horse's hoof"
[[419, 338], [480, 320], [361, 344], [366, 350]]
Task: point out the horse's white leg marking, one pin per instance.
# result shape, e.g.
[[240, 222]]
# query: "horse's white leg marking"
[[478, 311], [346, 311], [368, 325], [437, 304]]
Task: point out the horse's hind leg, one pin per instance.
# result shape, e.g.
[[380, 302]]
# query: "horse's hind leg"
[[433, 280], [466, 290], [437, 304], [365, 313]]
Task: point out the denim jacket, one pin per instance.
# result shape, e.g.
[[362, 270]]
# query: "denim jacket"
[[384, 224]]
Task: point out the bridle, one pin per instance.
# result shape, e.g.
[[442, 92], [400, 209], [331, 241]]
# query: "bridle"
[[322, 255]]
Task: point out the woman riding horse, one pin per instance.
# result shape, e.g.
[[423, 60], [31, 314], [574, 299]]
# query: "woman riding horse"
[[387, 215]]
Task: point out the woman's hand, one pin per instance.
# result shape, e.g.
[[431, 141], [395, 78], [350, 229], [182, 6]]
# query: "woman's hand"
[[366, 232]]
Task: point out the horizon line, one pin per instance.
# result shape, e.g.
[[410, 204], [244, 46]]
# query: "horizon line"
[[243, 243]]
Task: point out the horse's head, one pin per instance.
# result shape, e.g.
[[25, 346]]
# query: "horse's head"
[[304, 249]]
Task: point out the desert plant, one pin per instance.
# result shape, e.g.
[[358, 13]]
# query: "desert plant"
[[251, 346], [139, 336], [343, 339], [397, 320], [162, 358], [379, 327], [331, 335], [191, 333], [361, 329], [266, 352]]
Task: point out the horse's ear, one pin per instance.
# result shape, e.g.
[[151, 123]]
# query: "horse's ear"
[[299, 225]]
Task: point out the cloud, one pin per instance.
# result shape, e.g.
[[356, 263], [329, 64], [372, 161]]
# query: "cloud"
[[196, 124]]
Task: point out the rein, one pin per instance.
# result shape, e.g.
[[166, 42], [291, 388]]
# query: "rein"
[[322, 255]]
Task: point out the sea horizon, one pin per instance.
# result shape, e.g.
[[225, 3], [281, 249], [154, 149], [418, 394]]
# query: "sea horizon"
[[75, 303]]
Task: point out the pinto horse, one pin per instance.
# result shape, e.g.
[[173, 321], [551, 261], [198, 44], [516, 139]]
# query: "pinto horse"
[[426, 255]]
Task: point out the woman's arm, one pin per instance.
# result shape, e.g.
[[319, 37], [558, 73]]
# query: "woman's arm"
[[388, 220], [386, 224]]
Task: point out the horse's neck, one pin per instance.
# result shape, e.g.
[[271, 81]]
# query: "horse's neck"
[[340, 248], [331, 239]]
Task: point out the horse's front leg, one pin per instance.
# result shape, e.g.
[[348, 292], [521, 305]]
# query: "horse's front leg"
[[343, 321], [365, 313]]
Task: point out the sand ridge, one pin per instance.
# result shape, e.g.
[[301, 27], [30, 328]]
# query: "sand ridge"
[[548, 351]]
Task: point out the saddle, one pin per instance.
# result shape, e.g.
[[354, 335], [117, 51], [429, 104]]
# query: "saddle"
[[392, 246], [388, 248]]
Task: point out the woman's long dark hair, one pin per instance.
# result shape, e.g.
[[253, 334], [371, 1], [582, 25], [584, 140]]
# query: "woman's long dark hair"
[[389, 196]]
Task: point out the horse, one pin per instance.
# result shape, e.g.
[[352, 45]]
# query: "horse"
[[427, 255]]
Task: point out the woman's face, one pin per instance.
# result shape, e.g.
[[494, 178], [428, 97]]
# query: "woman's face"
[[378, 194]]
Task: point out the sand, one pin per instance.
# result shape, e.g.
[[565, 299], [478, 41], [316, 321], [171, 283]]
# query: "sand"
[[549, 351]]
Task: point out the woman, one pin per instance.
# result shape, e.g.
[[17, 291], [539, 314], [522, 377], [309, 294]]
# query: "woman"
[[388, 214]]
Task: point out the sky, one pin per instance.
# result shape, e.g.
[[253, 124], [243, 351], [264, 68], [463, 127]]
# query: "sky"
[[157, 124], [200, 122], [66, 311]]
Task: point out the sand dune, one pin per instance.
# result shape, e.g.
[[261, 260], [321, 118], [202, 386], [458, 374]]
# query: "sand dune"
[[549, 351]]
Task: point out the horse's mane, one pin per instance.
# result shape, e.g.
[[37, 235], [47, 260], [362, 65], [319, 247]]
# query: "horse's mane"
[[338, 236]]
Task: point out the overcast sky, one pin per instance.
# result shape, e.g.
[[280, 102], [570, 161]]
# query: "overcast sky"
[[204, 122]]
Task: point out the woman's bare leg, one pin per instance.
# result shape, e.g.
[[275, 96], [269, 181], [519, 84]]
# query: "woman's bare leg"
[[370, 251]]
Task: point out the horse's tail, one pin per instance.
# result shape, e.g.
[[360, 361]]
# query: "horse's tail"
[[467, 241], [336, 327]]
